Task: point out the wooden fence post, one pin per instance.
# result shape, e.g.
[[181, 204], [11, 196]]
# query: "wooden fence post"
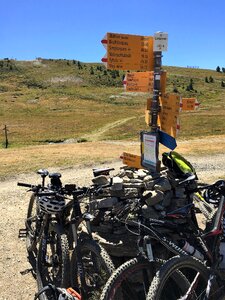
[[6, 136]]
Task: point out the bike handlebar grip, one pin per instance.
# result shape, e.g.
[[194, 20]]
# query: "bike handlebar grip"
[[24, 184]]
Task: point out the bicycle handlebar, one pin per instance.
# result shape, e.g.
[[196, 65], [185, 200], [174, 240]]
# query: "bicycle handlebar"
[[25, 184]]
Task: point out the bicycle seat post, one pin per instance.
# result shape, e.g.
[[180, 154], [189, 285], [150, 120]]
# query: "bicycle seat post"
[[43, 174]]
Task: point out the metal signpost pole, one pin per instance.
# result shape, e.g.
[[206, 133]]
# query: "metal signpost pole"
[[156, 90]]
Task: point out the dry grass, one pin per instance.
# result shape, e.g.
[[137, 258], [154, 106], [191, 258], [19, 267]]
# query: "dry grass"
[[26, 159]]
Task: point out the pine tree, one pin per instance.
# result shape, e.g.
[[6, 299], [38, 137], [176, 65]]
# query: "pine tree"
[[190, 86], [79, 65], [218, 69], [211, 80], [92, 71]]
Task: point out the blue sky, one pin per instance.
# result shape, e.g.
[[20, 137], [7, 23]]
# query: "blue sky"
[[73, 29]]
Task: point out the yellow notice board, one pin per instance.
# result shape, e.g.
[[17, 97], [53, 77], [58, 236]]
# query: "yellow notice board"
[[188, 104], [129, 52], [132, 160], [168, 116]]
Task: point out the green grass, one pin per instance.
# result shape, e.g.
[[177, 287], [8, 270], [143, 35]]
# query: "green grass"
[[53, 100]]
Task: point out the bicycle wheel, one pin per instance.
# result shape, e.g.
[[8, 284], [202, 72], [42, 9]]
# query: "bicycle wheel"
[[193, 278], [53, 263], [91, 266], [131, 280], [31, 224]]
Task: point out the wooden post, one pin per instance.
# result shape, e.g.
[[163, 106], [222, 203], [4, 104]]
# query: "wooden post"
[[6, 137]]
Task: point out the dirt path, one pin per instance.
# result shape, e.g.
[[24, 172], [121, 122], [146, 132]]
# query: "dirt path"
[[13, 206], [96, 135]]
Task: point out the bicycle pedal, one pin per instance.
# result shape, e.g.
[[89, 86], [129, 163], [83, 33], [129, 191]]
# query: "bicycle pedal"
[[26, 271], [22, 233]]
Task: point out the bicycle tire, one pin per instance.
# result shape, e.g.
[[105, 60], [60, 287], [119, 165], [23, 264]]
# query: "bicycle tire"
[[97, 268], [30, 224], [57, 271], [131, 280], [164, 286]]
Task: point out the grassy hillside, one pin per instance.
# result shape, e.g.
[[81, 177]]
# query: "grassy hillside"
[[46, 101]]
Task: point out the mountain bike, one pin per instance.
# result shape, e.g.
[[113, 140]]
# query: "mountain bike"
[[45, 233], [32, 222], [203, 281], [90, 265]]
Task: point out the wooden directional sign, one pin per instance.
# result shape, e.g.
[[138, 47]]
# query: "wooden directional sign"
[[188, 104], [128, 52], [168, 116]]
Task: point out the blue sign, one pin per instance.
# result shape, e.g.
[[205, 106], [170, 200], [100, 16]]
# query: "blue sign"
[[167, 140]]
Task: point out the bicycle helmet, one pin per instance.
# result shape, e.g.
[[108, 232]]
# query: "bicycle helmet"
[[213, 193], [51, 204]]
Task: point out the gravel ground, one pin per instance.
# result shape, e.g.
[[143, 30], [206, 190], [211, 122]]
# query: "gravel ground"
[[13, 206]]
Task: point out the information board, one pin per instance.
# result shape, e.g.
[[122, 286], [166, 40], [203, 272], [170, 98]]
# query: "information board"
[[150, 151]]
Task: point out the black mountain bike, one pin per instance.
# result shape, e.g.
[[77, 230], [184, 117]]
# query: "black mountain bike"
[[47, 243], [91, 265]]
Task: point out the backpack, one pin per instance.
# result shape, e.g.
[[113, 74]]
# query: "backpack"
[[177, 164]]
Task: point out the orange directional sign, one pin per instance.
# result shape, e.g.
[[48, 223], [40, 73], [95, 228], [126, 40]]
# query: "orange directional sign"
[[168, 116], [128, 52], [131, 160], [143, 82], [188, 104], [139, 82], [163, 82]]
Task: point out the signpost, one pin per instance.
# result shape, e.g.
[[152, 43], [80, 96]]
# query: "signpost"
[[128, 52], [150, 160], [142, 53]]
